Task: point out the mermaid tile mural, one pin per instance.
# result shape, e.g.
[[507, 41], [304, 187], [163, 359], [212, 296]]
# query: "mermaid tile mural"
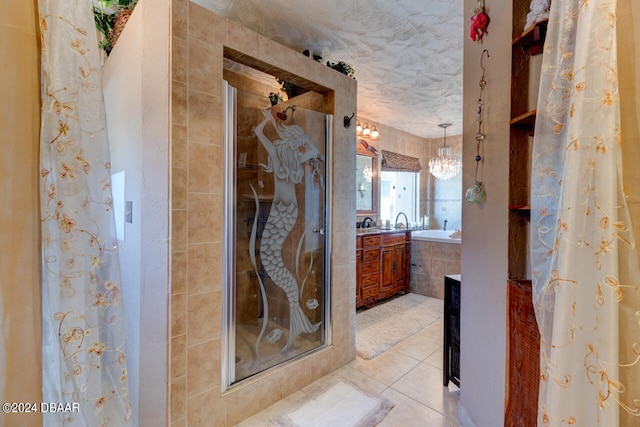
[[279, 240]]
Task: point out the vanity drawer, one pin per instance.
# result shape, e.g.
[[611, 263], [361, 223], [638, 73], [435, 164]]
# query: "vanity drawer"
[[370, 267], [369, 291], [370, 241], [370, 255], [370, 279], [394, 239]]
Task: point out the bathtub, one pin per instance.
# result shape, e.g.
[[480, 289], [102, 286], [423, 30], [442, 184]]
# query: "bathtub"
[[441, 236]]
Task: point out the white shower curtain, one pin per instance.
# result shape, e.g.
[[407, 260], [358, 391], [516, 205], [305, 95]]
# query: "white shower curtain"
[[84, 366], [584, 263]]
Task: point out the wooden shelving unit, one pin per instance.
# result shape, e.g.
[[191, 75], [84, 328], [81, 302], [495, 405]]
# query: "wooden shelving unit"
[[523, 339]]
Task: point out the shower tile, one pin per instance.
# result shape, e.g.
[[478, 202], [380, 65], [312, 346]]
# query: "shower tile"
[[204, 217], [178, 314], [203, 317], [276, 53], [178, 103], [241, 402], [202, 116], [204, 167], [201, 267], [178, 272], [206, 26], [179, 188], [203, 367], [342, 254], [206, 409], [178, 398], [203, 71], [341, 310], [181, 422], [179, 230], [201, 167], [178, 356], [179, 62], [342, 276], [179, 146], [179, 18], [216, 266]]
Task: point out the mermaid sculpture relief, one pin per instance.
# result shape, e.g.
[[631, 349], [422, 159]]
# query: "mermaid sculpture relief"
[[287, 156]]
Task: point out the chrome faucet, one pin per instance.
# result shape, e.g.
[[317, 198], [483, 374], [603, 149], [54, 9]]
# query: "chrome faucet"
[[445, 225], [406, 221], [364, 222]]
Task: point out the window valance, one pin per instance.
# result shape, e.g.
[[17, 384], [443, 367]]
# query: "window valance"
[[399, 162]]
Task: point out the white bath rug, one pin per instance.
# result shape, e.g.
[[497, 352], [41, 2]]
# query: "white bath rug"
[[385, 325], [342, 404]]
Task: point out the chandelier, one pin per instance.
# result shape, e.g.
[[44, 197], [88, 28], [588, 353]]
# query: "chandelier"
[[444, 166]]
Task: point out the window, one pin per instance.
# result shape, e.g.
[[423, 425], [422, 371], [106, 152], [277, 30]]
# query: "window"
[[399, 192]]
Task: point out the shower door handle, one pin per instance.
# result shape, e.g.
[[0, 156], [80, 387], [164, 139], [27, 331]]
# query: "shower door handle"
[[318, 230]]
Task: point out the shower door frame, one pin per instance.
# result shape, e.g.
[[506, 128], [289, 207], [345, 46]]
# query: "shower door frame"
[[228, 332]]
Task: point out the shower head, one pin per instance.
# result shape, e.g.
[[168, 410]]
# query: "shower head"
[[282, 115]]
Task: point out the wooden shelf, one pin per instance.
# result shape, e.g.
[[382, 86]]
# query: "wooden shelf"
[[523, 340], [527, 119], [533, 38]]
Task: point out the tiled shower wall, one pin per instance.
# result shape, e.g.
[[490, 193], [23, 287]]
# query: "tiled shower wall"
[[200, 39]]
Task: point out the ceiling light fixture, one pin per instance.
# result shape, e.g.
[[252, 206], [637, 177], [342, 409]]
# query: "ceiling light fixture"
[[444, 166]]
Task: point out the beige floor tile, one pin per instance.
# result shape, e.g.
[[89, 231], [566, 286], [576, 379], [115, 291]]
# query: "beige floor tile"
[[418, 346], [387, 367], [409, 413], [434, 331], [424, 384], [435, 359], [409, 374]]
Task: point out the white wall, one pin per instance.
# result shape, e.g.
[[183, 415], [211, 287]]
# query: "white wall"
[[484, 227], [136, 82]]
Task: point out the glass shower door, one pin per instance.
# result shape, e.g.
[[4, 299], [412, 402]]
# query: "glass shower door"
[[276, 267]]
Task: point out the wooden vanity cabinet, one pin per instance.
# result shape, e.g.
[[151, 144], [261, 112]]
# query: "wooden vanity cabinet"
[[394, 265], [382, 266]]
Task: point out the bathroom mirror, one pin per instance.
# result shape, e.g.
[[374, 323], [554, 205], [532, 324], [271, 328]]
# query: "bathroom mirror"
[[366, 182]]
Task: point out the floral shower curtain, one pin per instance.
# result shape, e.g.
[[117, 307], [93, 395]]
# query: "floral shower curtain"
[[83, 330], [585, 273]]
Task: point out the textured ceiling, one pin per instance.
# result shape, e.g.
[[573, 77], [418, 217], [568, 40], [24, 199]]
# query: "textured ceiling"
[[407, 53]]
